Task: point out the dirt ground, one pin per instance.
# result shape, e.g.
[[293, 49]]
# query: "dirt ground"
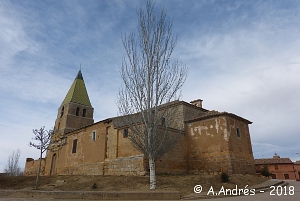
[[182, 183]]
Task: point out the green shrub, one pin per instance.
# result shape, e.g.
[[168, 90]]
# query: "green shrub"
[[224, 177], [265, 171]]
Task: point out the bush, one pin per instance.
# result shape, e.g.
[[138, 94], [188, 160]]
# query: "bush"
[[265, 171], [224, 177]]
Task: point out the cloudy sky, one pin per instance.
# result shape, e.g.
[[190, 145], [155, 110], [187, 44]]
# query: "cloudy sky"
[[243, 57]]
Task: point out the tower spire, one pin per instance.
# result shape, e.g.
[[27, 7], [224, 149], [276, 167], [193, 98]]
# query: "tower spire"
[[76, 110], [77, 92]]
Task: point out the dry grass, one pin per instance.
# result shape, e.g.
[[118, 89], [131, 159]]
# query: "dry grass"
[[182, 183]]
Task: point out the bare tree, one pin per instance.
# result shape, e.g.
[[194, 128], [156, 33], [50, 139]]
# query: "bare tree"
[[151, 82], [12, 167], [44, 138]]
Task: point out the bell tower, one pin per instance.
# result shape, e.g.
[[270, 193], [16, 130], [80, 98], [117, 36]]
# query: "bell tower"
[[76, 110]]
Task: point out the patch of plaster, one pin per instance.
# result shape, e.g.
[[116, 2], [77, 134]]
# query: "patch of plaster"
[[217, 125], [199, 128], [226, 135]]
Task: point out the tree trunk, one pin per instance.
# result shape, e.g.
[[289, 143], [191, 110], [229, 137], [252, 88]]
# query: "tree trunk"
[[39, 170], [152, 174]]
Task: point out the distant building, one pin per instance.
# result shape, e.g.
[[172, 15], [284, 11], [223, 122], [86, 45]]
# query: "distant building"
[[281, 168], [213, 142], [4, 174], [297, 170]]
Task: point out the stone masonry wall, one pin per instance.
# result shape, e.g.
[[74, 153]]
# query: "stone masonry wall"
[[84, 169], [112, 143], [31, 166], [125, 147], [132, 165], [191, 112], [89, 151], [240, 147], [175, 160], [208, 146], [220, 144], [214, 145], [70, 121]]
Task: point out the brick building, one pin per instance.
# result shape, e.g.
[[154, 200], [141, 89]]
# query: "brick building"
[[212, 142], [297, 170], [280, 168]]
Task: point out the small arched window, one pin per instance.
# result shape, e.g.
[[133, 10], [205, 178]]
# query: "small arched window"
[[238, 134], [77, 111], [125, 133], [83, 112], [62, 111]]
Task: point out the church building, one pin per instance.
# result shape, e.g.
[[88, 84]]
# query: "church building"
[[212, 142]]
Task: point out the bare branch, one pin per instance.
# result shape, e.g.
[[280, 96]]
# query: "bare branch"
[[44, 140], [12, 167], [151, 78]]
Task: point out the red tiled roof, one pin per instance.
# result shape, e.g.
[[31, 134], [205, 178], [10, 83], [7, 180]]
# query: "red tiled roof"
[[266, 161], [297, 163]]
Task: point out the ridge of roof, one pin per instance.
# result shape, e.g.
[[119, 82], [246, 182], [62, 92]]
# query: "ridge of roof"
[[108, 120], [297, 163], [266, 161], [213, 113], [77, 92]]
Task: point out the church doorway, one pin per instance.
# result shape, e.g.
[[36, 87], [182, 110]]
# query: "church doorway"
[[52, 171]]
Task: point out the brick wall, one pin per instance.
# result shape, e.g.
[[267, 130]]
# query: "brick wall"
[[297, 170], [288, 171]]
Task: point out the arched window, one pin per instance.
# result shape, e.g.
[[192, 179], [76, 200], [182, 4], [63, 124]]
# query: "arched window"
[[83, 112], [62, 111], [77, 111]]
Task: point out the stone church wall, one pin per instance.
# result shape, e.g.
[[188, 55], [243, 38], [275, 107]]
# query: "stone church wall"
[[131, 165], [240, 147], [69, 120], [211, 146], [31, 166], [90, 149], [208, 147], [220, 144], [175, 160]]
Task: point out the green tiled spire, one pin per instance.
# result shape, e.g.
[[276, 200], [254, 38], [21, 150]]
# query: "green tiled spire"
[[77, 92]]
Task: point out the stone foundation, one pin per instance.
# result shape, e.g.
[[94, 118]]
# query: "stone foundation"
[[84, 169], [132, 165]]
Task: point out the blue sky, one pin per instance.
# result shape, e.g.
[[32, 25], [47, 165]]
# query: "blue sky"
[[243, 58]]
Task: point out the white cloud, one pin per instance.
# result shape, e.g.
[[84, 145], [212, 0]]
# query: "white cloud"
[[251, 71]]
